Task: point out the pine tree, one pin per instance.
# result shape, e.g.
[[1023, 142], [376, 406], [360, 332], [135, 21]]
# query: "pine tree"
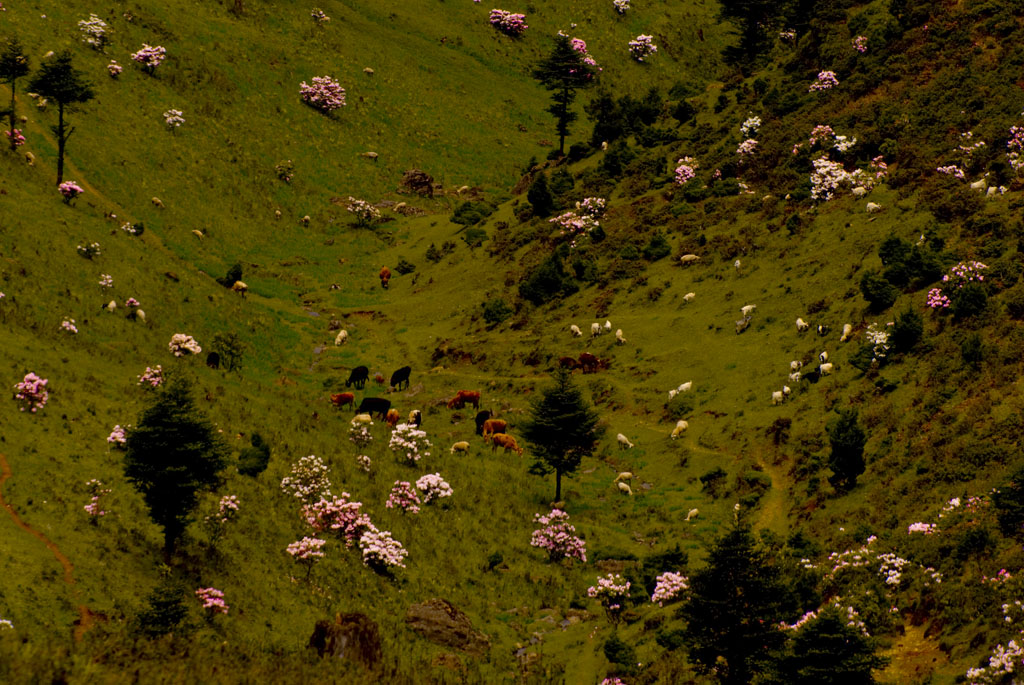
[[57, 80], [827, 651], [539, 196], [172, 455], [562, 429], [564, 72], [753, 18], [847, 458], [13, 65], [736, 604]]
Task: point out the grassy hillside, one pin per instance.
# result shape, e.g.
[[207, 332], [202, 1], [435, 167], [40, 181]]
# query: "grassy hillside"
[[453, 97]]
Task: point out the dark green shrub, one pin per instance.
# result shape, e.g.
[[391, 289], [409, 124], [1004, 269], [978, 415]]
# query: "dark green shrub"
[[1008, 500], [679, 407], [474, 237], [495, 560], [523, 212], [907, 330], [230, 348], [471, 213], [584, 269], [968, 301], [1014, 302], [694, 192], [714, 480], [539, 195], [404, 266], [657, 247], [877, 291], [615, 160], [629, 253], [847, 439], [165, 611], [547, 281], [233, 274], [725, 187], [253, 461], [561, 183], [972, 350], [578, 151], [496, 311], [683, 112], [671, 639], [621, 655]]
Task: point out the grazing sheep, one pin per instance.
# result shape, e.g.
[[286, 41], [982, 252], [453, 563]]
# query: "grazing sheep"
[[748, 309], [362, 420], [461, 190], [277, 213], [595, 330], [156, 202], [786, 391], [685, 387], [823, 329], [825, 369], [688, 297], [461, 446], [341, 338], [688, 259], [794, 377], [625, 489], [575, 330], [991, 192], [680, 428], [111, 306], [874, 208], [30, 159], [672, 393], [624, 443], [801, 325], [742, 324], [239, 287], [736, 265], [368, 71], [197, 233], [604, 145], [618, 337], [305, 220], [823, 357], [140, 315], [369, 155], [624, 475], [979, 185], [607, 326], [777, 397], [692, 514], [860, 191], [847, 330], [795, 365]]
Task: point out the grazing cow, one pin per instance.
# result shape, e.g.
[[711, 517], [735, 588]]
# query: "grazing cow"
[[464, 396], [625, 475], [825, 369], [568, 363], [801, 325], [358, 377], [575, 330], [157, 203], [400, 376], [595, 330], [362, 420], [378, 378], [624, 443], [239, 287], [777, 397], [392, 417], [461, 446], [625, 489], [847, 331], [692, 514], [374, 405], [589, 363], [680, 428], [341, 338], [385, 276], [415, 418], [481, 417], [340, 399], [506, 441], [493, 426]]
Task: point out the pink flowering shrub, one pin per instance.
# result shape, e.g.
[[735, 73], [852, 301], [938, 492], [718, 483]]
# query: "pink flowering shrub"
[[403, 497], [1015, 148], [966, 148], [212, 599], [557, 536], [410, 442], [686, 171], [324, 94], [380, 551], [32, 392], [578, 223], [182, 344], [364, 463], [118, 437], [580, 46], [612, 591], [508, 23], [747, 147], [365, 213], [359, 435], [106, 281], [93, 508], [433, 487], [94, 32], [319, 16], [173, 119], [621, 6], [669, 588], [308, 480], [70, 190], [959, 275], [952, 170], [89, 250], [69, 326], [642, 46], [227, 510], [152, 376], [860, 44], [114, 69], [936, 300], [826, 81], [149, 57], [15, 137], [307, 552], [338, 514], [926, 528], [131, 302], [879, 166]]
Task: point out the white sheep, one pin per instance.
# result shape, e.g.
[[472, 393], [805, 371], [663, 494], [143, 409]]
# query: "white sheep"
[[111, 306], [859, 191], [825, 369], [618, 337], [802, 325], [688, 297], [197, 233], [30, 159], [624, 443], [368, 71], [979, 185], [680, 428], [991, 192], [239, 287], [777, 397], [688, 259], [625, 489], [362, 420], [795, 365], [847, 331], [595, 329], [140, 315], [575, 330], [736, 265], [786, 391], [157, 202], [461, 446], [748, 309], [341, 338], [672, 393], [607, 326], [624, 475], [369, 155], [685, 387], [692, 514], [823, 357], [874, 208], [794, 377], [823, 329]]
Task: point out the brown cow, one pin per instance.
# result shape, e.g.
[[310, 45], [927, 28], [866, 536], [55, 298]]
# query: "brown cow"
[[589, 363], [378, 378], [506, 441], [568, 363], [341, 399], [463, 396], [492, 426], [392, 417], [385, 276]]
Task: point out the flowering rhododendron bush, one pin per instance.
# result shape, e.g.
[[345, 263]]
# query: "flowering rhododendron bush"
[[557, 537], [324, 94]]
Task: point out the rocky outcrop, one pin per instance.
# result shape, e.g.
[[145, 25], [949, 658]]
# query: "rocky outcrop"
[[440, 622]]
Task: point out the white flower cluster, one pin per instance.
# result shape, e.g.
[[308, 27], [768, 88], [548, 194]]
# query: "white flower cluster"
[[749, 127], [94, 31], [380, 550], [1000, 664], [409, 441], [433, 487], [182, 344], [308, 480], [879, 338]]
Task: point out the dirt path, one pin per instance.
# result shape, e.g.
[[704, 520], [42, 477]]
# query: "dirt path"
[[85, 617]]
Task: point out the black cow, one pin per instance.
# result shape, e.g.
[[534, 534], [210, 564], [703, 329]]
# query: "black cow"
[[415, 418], [358, 377], [399, 377], [374, 405], [480, 418]]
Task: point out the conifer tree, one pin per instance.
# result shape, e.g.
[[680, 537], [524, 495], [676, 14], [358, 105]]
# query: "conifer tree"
[[562, 429], [172, 455], [539, 196], [827, 651], [564, 72], [59, 81], [847, 458], [13, 65]]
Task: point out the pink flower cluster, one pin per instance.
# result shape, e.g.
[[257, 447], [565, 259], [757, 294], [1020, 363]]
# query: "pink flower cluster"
[[410, 442], [433, 487], [308, 480], [70, 190], [364, 462], [380, 550], [1000, 577], [556, 535], [15, 137], [114, 69], [621, 6], [926, 528], [937, 300], [150, 56], [69, 326], [325, 94], [307, 549], [96, 491], [612, 591], [826, 178], [580, 46], [821, 132], [747, 147], [153, 376], [686, 171], [879, 166], [364, 212], [860, 44], [118, 437], [319, 16], [131, 302], [403, 496], [32, 392], [227, 508], [826, 81], [966, 147], [962, 273], [508, 23], [339, 514], [951, 170], [669, 587], [1015, 148], [182, 344], [106, 281], [642, 46], [212, 599]]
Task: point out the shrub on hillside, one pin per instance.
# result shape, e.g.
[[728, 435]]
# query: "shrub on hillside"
[[657, 247], [471, 213], [907, 330], [968, 301], [254, 459], [474, 237], [233, 274], [496, 311], [539, 196], [877, 291], [404, 266], [1014, 303], [549, 280], [434, 255]]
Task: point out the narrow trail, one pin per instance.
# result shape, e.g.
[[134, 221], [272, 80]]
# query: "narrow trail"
[[85, 617]]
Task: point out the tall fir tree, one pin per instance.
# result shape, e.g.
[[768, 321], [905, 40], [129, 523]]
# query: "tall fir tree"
[[753, 19], [172, 455], [564, 72], [847, 458], [828, 651], [562, 429], [61, 82], [13, 65]]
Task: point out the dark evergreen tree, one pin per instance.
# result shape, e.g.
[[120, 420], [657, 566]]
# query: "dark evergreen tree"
[[1008, 501], [57, 80], [165, 611], [847, 458], [753, 19], [736, 603], [172, 455], [609, 124], [539, 196], [564, 72], [827, 651], [562, 429], [13, 65]]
